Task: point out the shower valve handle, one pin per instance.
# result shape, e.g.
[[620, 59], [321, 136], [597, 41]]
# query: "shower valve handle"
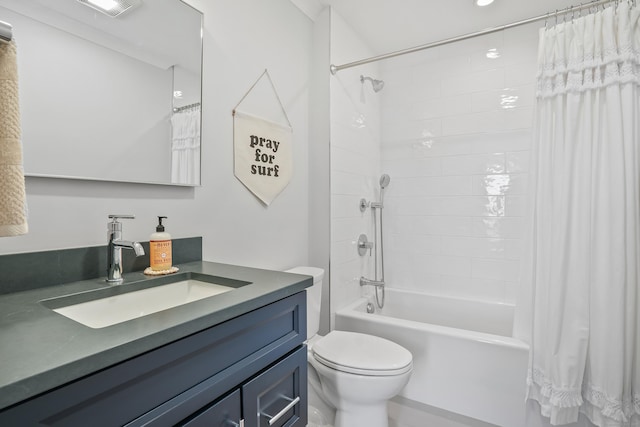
[[364, 244]]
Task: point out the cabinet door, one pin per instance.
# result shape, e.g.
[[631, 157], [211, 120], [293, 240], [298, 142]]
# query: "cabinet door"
[[224, 413], [278, 396]]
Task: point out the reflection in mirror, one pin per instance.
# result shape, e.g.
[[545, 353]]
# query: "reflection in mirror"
[[109, 98]]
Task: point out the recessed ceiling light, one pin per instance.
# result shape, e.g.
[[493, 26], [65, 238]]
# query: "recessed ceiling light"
[[483, 2], [112, 8]]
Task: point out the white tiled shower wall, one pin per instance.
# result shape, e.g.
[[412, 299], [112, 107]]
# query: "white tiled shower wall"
[[456, 131], [452, 127], [355, 162]]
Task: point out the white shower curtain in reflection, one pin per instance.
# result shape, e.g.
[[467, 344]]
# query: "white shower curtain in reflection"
[[582, 317], [185, 147]]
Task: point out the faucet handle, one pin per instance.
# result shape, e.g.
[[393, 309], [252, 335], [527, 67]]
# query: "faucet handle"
[[115, 218], [114, 225]]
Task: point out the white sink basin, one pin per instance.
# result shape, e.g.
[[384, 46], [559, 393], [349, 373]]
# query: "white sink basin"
[[109, 311]]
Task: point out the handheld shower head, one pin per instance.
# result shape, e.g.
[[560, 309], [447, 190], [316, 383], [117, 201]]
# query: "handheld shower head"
[[377, 85], [384, 180]]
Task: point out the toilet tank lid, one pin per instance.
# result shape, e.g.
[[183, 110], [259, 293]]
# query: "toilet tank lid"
[[316, 272]]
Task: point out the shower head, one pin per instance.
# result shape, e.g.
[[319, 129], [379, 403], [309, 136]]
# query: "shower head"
[[377, 85], [384, 180]]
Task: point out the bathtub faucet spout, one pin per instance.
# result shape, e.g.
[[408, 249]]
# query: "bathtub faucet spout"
[[377, 283]]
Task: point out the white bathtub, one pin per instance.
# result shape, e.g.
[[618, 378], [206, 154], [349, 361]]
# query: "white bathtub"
[[465, 360]]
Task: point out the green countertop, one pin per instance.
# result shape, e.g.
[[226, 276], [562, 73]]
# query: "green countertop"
[[41, 349]]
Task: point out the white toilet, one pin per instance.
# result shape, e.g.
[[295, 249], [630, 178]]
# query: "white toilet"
[[357, 373]]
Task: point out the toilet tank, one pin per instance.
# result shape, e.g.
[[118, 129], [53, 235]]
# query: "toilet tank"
[[314, 297]]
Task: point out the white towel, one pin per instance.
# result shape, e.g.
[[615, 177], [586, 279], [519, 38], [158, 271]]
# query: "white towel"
[[13, 207]]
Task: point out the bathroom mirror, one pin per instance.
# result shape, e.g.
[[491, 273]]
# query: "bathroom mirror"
[[109, 98]]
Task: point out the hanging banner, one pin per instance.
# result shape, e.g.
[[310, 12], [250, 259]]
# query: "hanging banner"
[[262, 155]]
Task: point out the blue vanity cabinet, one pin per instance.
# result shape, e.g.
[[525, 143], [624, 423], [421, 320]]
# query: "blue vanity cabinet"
[[273, 398], [251, 368]]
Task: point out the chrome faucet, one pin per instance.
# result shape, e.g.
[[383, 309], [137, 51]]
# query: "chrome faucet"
[[114, 248]]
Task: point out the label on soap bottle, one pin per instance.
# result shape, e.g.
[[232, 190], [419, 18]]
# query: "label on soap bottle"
[[160, 254]]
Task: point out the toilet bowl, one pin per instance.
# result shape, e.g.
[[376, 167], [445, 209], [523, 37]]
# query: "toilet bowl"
[[350, 373]]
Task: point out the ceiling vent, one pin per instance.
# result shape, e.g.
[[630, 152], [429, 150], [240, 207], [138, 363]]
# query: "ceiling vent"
[[112, 8]]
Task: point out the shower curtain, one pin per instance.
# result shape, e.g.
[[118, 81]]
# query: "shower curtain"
[[185, 147], [580, 310]]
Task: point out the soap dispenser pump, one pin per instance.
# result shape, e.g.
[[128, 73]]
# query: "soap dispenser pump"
[[160, 248]]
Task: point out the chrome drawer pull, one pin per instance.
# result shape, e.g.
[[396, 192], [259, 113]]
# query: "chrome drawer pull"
[[280, 414], [234, 424]]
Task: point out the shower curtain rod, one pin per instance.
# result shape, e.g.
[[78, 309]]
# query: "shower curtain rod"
[[335, 68], [186, 107]]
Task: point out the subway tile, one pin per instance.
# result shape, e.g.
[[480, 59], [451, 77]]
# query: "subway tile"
[[436, 108], [345, 206], [489, 289], [473, 82], [498, 142], [424, 85], [500, 184], [516, 118], [345, 228], [495, 185], [418, 243], [352, 162], [426, 265], [433, 225], [459, 65], [415, 130], [473, 247], [354, 140], [473, 206], [413, 167], [453, 265], [519, 184], [513, 248], [472, 288], [495, 269], [488, 59], [343, 251], [347, 183], [417, 206], [505, 228], [433, 186], [521, 73], [518, 161], [465, 124], [503, 99], [511, 292], [413, 271], [474, 164], [515, 206]]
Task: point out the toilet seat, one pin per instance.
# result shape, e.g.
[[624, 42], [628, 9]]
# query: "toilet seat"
[[361, 354]]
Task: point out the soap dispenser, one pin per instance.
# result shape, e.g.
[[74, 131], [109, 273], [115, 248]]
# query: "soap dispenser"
[[160, 248]]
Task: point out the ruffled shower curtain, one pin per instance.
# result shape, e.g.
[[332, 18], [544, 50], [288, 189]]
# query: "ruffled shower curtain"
[[185, 147], [580, 310]]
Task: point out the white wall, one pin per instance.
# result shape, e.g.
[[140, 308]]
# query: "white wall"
[[241, 39], [319, 159], [355, 162]]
